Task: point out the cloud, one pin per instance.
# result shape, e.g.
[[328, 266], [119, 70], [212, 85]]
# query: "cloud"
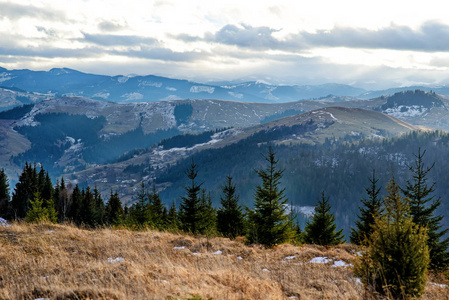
[[110, 26], [14, 11], [117, 40], [431, 36], [49, 52], [164, 54]]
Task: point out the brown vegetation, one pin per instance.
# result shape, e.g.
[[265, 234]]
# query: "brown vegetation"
[[65, 262]]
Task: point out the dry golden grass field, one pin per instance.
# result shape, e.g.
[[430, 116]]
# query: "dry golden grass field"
[[49, 261]]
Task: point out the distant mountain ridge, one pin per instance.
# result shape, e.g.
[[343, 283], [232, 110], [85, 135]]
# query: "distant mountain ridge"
[[65, 82]]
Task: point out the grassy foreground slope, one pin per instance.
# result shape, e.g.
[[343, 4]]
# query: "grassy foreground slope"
[[65, 262]]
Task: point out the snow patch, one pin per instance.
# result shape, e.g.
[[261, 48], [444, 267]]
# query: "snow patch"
[[5, 76], [202, 88], [179, 248], [132, 96], [340, 263], [236, 95], [123, 79], [150, 83], [320, 260], [172, 97], [101, 95], [4, 223], [290, 257], [218, 252], [115, 260], [402, 111]]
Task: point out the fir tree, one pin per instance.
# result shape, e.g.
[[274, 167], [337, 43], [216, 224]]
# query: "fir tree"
[[100, 209], [24, 191], [190, 207], [422, 208], [207, 215], [371, 210], [172, 221], [139, 212], [76, 199], [114, 210], [87, 209], [395, 261], [230, 220], [157, 209], [5, 209], [321, 230], [269, 221], [41, 210]]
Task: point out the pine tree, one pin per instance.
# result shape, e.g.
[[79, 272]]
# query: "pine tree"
[[321, 230], [395, 261], [189, 209], [230, 220], [372, 210], [5, 208], [269, 221], [114, 210], [422, 208]]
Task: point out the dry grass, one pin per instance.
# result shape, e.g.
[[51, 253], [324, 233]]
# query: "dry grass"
[[65, 262]]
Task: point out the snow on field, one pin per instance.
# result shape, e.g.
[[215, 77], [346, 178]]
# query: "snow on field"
[[4, 223], [340, 263], [115, 260], [179, 248], [320, 260]]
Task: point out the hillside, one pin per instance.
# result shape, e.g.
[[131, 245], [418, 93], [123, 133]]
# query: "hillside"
[[312, 128], [64, 262]]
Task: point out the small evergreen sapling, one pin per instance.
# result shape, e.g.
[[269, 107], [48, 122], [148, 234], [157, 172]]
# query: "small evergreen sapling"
[[322, 230], [394, 263]]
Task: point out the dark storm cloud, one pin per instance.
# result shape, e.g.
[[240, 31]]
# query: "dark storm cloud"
[[14, 11], [117, 40], [429, 37]]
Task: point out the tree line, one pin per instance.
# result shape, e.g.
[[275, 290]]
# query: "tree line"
[[400, 234]]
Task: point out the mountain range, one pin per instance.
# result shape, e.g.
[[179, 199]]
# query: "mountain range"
[[26, 86]]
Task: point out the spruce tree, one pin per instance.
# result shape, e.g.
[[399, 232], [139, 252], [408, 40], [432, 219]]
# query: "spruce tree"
[[100, 209], [207, 216], [172, 221], [74, 210], [156, 208], [321, 230], [41, 210], [269, 222], [371, 210], [114, 210], [190, 206], [230, 222], [87, 209], [5, 208], [23, 191], [139, 212], [394, 264], [422, 208]]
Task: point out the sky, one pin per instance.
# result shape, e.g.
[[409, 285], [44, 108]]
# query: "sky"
[[368, 44]]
